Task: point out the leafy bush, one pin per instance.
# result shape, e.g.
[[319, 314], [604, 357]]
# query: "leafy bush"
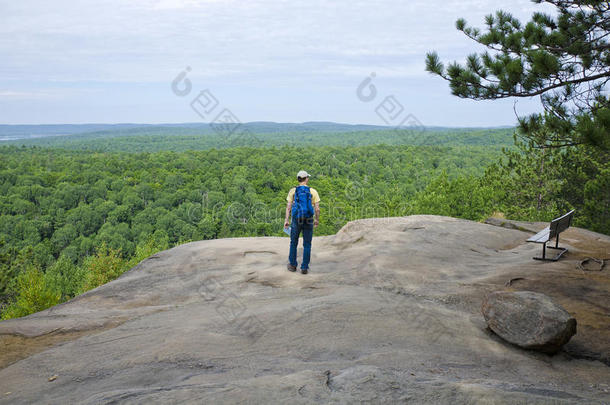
[[463, 197], [34, 293], [66, 277], [104, 266]]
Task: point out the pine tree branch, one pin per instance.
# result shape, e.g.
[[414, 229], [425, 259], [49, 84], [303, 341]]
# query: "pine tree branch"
[[560, 84]]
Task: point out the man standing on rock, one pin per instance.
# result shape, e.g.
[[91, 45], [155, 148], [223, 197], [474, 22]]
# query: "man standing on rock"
[[304, 205]]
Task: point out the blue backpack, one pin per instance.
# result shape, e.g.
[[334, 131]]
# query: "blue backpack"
[[302, 207]]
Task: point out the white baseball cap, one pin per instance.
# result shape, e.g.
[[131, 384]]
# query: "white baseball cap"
[[302, 174]]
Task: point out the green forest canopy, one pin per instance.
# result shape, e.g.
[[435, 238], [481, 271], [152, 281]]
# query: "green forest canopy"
[[71, 220]]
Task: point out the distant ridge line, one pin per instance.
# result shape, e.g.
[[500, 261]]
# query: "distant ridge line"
[[27, 131]]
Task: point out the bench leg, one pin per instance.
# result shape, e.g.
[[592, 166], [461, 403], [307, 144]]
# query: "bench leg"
[[556, 257], [543, 253]]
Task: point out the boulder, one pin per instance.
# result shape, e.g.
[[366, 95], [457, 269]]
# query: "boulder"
[[528, 319]]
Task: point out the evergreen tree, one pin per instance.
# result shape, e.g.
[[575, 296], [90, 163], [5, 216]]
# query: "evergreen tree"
[[563, 59]]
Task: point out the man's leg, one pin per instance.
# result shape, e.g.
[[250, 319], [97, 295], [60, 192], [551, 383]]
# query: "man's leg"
[[307, 235], [294, 241]]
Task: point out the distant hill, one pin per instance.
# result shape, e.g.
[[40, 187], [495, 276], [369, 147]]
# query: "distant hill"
[[201, 136], [16, 132]]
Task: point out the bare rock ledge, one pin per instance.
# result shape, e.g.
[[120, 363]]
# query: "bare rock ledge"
[[389, 313]]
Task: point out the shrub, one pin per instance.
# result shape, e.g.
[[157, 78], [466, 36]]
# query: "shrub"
[[34, 294], [104, 266]]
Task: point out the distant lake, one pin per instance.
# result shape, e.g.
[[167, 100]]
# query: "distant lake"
[[30, 136]]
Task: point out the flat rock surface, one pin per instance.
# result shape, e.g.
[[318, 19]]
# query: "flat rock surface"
[[389, 312]]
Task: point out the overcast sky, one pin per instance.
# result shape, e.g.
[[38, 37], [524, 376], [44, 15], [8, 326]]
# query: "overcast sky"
[[284, 61]]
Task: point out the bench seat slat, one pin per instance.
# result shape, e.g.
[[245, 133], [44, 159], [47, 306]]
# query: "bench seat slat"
[[541, 237]]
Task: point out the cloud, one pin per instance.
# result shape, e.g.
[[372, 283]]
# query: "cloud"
[[86, 44], [118, 40]]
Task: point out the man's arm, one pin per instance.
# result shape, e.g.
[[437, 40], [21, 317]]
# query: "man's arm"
[[316, 208], [288, 209]]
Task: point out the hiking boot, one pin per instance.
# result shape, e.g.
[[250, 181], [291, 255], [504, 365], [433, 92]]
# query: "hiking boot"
[[291, 267], [304, 271]]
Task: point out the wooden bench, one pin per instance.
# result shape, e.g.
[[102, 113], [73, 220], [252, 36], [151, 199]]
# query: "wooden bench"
[[557, 226]]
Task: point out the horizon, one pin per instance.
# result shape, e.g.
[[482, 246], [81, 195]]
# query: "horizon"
[[251, 122], [18, 132]]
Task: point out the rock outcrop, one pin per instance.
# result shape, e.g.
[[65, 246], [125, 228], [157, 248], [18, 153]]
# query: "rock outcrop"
[[390, 312], [528, 319]]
